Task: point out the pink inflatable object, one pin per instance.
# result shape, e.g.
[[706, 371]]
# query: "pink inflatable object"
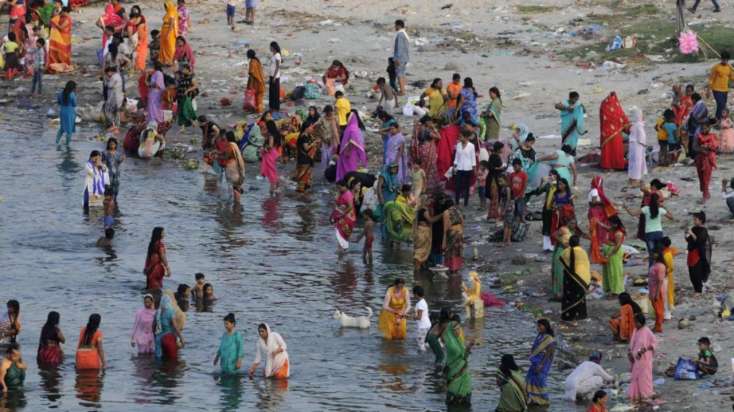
[[688, 42]]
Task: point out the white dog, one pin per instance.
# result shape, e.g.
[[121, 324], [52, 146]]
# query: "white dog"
[[362, 322]]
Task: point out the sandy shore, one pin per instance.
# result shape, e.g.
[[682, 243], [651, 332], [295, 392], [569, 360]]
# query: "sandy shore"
[[521, 51]]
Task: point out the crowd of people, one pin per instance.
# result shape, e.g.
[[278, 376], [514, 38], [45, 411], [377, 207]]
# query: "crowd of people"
[[421, 195]]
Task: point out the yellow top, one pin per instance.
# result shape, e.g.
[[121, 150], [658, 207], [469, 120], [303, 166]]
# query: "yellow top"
[[582, 266], [10, 46], [343, 107], [720, 76], [662, 133], [435, 101]]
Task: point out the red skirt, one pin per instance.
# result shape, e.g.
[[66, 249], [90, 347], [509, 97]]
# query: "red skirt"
[[50, 356], [169, 346]]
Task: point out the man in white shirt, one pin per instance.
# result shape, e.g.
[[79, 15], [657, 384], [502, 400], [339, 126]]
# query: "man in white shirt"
[[465, 160], [421, 315], [587, 378]]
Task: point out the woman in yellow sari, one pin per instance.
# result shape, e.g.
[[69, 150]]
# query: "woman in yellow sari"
[[392, 322], [169, 33], [256, 79], [59, 44], [473, 303]]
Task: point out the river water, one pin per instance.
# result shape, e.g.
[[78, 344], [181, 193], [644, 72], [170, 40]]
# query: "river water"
[[274, 261]]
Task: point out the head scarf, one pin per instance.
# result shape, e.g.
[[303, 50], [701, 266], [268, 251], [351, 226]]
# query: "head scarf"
[[522, 131], [185, 53], [169, 308], [636, 115], [352, 133], [597, 182]]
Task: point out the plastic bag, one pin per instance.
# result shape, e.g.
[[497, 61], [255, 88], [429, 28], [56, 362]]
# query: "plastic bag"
[[250, 104], [686, 370], [312, 91]]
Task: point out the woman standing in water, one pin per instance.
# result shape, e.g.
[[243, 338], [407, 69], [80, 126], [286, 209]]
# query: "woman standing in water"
[[156, 88], [89, 351], [271, 346], [50, 354], [231, 347], [142, 336], [453, 238], [12, 369], [156, 262], [169, 322], [392, 322], [113, 158], [344, 216], [10, 323], [67, 112], [541, 358], [97, 177], [458, 378]]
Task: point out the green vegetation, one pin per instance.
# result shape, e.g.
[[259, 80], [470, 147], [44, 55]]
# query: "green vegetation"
[[535, 9]]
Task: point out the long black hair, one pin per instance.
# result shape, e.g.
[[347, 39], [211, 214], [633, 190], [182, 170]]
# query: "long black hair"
[[496, 91], [48, 331], [91, 328], [68, 90], [275, 46], [547, 326], [359, 119], [626, 299], [155, 236], [654, 207], [112, 140], [507, 364], [469, 84], [572, 243]]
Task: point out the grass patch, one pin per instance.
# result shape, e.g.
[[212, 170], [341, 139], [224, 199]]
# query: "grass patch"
[[535, 9]]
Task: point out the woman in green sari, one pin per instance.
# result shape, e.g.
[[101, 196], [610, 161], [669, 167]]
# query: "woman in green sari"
[[231, 348], [399, 216], [613, 269], [493, 115], [513, 396], [12, 369], [458, 379]]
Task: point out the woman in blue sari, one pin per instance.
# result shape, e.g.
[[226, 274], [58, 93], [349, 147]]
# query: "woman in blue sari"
[[572, 120], [541, 358], [468, 101], [231, 347], [169, 320]]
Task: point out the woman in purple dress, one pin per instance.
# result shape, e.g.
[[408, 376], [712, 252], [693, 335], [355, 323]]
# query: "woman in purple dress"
[[352, 154], [156, 88]]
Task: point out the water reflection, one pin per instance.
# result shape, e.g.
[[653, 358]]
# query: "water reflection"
[[51, 384], [270, 393], [270, 214], [89, 387], [12, 401], [231, 392], [167, 378], [68, 168]]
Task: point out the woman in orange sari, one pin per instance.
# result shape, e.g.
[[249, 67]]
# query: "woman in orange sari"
[[623, 324], [392, 322], [255, 80], [600, 210], [59, 44], [169, 33], [89, 351], [137, 29]]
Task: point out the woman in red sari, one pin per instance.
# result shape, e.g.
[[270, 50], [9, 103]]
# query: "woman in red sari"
[[705, 146], [613, 121], [425, 137], [344, 216], [59, 43], [156, 263], [600, 210]]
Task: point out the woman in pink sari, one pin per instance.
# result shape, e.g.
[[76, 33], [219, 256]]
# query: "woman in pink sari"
[[351, 149], [344, 216], [641, 352]]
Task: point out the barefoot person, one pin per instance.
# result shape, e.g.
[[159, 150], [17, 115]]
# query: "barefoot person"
[[641, 353], [271, 346]]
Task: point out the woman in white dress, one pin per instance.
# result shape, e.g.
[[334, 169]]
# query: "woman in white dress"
[[271, 346], [637, 166]]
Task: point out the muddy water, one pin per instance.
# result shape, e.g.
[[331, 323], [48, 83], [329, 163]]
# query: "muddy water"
[[273, 261]]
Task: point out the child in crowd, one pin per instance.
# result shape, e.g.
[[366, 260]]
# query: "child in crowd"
[[599, 402], [657, 289], [667, 132], [669, 253], [155, 45], [726, 135], [421, 315], [231, 8], [507, 207], [728, 195], [11, 49], [38, 63], [387, 92], [518, 184], [369, 236], [343, 107], [109, 207], [392, 73], [209, 296], [707, 363], [481, 183], [197, 292], [106, 240]]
